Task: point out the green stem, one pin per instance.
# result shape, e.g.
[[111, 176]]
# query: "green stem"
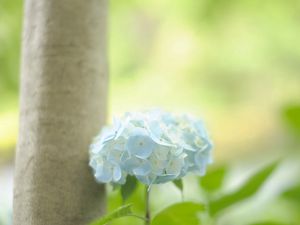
[[147, 206]]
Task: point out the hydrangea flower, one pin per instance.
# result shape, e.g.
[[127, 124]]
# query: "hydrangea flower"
[[154, 146]]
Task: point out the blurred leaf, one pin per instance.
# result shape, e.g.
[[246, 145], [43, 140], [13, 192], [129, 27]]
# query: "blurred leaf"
[[179, 184], [293, 194], [128, 188], [291, 116], [178, 214], [268, 223], [249, 188], [118, 213], [116, 186], [215, 9], [138, 207], [213, 180]]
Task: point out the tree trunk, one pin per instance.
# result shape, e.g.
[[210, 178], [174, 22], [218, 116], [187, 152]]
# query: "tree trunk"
[[63, 105]]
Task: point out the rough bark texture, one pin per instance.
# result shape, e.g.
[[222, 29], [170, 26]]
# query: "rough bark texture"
[[63, 105]]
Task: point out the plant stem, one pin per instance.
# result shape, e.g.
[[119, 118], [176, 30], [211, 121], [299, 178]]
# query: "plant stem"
[[147, 206]]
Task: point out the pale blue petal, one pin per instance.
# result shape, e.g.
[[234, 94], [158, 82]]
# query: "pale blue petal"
[[164, 179], [162, 152], [176, 151], [118, 128], [201, 160], [107, 134], [156, 135], [125, 156], [103, 174], [175, 166], [96, 147], [120, 144], [93, 163], [158, 166], [155, 128], [201, 129], [130, 163], [143, 169], [114, 156], [141, 146], [148, 180], [117, 173]]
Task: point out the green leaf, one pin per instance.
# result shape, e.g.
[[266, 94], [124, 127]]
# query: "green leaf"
[[249, 188], [179, 184], [291, 116], [178, 214], [268, 223], [128, 188], [292, 194], [115, 186], [118, 213], [213, 180]]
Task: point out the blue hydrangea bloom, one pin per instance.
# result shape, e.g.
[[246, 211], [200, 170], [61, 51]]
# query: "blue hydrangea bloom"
[[154, 146]]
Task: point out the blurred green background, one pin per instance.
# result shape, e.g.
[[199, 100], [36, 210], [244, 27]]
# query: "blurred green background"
[[235, 63]]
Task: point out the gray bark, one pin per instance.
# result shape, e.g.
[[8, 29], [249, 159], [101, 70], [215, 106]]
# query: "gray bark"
[[62, 106]]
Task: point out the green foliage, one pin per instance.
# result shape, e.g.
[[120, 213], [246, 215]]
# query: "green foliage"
[[214, 178], [291, 116], [137, 198], [10, 29], [179, 184], [178, 214], [249, 188], [293, 194], [116, 187], [128, 188], [116, 214], [268, 223]]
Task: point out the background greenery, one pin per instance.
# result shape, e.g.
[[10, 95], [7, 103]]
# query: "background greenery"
[[235, 63]]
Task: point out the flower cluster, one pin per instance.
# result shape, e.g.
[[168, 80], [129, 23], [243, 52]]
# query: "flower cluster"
[[154, 146]]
